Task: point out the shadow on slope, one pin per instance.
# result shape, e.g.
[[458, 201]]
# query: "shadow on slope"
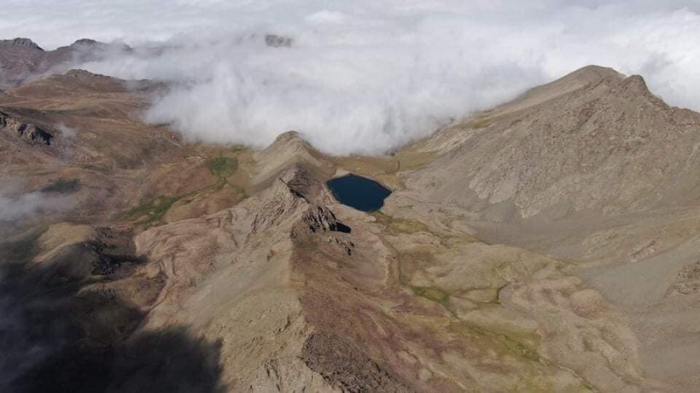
[[58, 334]]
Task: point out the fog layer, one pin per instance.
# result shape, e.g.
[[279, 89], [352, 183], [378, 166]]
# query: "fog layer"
[[364, 76]]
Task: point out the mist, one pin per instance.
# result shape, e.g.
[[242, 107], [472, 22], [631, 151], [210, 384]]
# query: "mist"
[[15, 208], [364, 77], [16, 205]]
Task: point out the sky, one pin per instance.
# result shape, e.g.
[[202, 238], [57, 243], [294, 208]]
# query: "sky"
[[366, 76]]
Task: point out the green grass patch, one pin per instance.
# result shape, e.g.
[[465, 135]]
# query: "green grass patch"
[[433, 294], [243, 194], [153, 211], [222, 167], [407, 226], [400, 225], [509, 344], [518, 348], [63, 186]]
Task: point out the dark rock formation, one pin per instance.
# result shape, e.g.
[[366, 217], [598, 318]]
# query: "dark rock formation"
[[28, 132], [322, 219]]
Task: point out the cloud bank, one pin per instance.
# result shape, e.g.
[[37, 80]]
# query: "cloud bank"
[[364, 76]]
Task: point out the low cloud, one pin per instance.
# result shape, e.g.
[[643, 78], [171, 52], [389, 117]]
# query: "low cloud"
[[15, 208], [16, 205], [365, 77], [67, 132]]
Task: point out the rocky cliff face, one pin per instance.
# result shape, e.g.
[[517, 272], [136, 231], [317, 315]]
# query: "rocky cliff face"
[[27, 132]]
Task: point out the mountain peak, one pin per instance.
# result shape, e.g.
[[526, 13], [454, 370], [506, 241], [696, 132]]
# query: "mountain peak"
[[83, 74], [636, 85], [579, 79], [592, 74], [288, 136], [22, 42], [288, 149], [85, 41]]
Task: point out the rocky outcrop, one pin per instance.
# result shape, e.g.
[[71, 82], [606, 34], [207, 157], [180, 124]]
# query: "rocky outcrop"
[[319, 219], [75, 252], [27, 132]]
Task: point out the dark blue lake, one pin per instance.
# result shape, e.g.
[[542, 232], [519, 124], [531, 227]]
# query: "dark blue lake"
[[359, 192]]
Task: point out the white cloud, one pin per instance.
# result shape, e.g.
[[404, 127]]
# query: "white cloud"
[[365, 76], [67, 132], [16, 205], [14, 208]]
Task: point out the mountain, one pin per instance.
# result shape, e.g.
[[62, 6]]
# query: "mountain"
[[22, 60], [592, 170], [549, 244]]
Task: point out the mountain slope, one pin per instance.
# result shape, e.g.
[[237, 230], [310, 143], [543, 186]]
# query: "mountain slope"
[[594, 142], [592, 169]]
